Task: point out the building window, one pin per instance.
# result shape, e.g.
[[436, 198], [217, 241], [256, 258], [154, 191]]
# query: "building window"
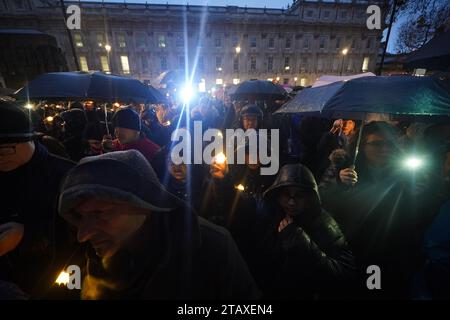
[[19, 4], [269, 63], [218, 42], [84, 64], [304, 65], [336, 64], [179, 41], [121, 40], [144, 63], [219, 81], [306, 43], [78, 40], [322, 43], [181, 63], [236, 81], [309, 13], [140, 40], [253, 63], [319, 64], [125, 64], [163, 63], [105, 63], [200, 63], [303, 82], [100, 39], [338, 43], [162, 41], [252, 42], [288, 42], [365, 66], [286, 81], [286, 63], [350, 64], [344, 14], [236, 64], [219, 63], [235, 41], [326, 14], [353, 43], [271, 43]]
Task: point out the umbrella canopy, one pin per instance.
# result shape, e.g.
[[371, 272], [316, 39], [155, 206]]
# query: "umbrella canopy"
[[394, 97], [259, 89], [88, 85]]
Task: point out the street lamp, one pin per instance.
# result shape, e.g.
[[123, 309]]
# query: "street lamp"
[[108, 50], [238, 49], [344, 53]]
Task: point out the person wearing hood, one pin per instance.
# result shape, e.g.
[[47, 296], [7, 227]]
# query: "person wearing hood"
[[145, 243], [73, 128], [154, 130], [33, 239], [127, 129], [300, 251]]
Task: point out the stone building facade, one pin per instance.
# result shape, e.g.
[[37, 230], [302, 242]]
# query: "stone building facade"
[[223, 45]]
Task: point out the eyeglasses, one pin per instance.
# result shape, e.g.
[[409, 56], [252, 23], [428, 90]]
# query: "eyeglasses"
[[7, 150]]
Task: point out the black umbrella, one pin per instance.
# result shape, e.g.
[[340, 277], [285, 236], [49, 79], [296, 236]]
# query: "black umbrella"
[[89, 85], [259, 90]]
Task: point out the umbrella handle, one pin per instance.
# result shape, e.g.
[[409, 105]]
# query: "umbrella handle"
[[106, 119]]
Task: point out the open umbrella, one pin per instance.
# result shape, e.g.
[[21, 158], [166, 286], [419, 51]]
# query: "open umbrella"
[[89, 85], [379, 97], [259, 90]]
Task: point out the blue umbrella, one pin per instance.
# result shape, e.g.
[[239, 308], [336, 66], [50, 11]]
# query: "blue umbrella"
[[89, 85]]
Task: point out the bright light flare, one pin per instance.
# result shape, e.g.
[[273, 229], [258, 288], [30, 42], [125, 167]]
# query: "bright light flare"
[[29, 106], [220, 158], [240, 187], [49, 119], [413, 163], [187, 93]]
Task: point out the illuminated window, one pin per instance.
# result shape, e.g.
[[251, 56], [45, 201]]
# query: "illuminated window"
[[303, 82], [161, 41], [104, 62], [219, 81], [125, 64], [365, 66], [236, 81], [78, 40]]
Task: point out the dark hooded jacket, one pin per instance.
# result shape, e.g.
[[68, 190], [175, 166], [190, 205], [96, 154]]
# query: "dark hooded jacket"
[[309, 258], [174, 255]]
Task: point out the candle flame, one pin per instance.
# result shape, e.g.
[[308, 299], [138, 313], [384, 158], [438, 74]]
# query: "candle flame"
[[220, 158], [63, 278], [240, 187], [49, 119]]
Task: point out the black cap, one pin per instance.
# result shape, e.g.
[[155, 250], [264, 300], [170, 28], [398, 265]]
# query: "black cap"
[[15, 123]]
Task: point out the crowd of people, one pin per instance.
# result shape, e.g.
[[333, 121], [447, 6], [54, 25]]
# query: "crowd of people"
[[98, 188]]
